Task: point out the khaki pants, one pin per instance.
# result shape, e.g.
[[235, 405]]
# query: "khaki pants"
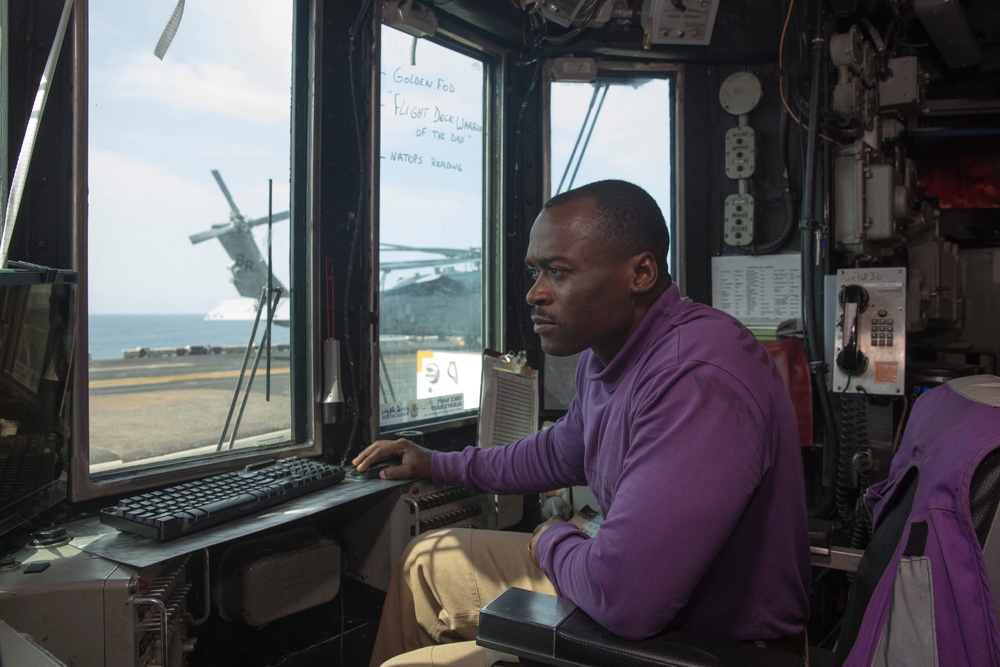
[[431, 613]]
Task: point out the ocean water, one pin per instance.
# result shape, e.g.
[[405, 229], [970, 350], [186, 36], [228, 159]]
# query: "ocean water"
[[110, 335]]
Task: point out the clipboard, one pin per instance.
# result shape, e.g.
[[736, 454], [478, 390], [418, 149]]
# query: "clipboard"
[[508, 412], [508, 399]]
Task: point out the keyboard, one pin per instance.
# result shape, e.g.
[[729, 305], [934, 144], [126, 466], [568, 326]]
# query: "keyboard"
[[192, 506]]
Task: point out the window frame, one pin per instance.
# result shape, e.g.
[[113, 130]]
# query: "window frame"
[[304, 416], [564, 368], [494, 60], [620, 69]]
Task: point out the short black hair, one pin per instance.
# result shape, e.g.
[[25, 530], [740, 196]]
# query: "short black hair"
[[628, 219]]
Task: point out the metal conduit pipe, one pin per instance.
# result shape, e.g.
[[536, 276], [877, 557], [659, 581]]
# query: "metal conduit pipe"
[[807, 226]]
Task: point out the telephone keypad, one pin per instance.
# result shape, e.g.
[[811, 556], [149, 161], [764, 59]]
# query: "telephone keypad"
[[882, 331]]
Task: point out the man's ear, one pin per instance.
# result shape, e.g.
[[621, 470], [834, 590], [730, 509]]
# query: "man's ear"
[[646, 273]]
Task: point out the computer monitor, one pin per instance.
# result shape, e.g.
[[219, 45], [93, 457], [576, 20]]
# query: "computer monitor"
[[36, 344]]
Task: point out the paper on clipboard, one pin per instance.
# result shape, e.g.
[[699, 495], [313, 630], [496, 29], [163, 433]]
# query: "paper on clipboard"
[[508, 411], [509, 400]]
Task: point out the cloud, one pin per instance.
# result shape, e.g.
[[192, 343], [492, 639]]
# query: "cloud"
[[231, 58], [220, 99], [210, 87]]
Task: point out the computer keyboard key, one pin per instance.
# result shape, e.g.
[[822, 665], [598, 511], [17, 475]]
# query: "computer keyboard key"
[[229, 503]]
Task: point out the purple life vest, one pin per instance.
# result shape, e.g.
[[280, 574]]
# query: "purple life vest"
[[934, 604]]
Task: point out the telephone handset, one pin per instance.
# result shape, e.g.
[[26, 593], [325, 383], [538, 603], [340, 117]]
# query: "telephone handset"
[[869, 348], [853, 301]]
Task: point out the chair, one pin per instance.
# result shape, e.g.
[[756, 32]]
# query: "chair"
[[546, 630]]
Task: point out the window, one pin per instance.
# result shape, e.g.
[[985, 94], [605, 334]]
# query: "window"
[[188, 232], [622, 125], [616, 127], [432, 216]]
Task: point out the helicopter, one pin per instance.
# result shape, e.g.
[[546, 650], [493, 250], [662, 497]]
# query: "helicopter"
[[249, 269], [443, 302]]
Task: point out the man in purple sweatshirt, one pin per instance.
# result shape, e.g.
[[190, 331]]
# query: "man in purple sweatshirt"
[[681, 427]]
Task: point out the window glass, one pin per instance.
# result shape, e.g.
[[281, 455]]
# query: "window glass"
[[611, 128], [189, 163], [615, 128], [430, 231]]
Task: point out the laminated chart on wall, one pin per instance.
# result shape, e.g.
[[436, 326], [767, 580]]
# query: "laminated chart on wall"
[[763, 292]]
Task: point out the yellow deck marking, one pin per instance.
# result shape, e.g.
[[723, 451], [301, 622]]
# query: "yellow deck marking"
[[164, 379]]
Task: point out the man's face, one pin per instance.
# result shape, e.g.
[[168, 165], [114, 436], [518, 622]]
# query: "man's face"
[[580, 298]]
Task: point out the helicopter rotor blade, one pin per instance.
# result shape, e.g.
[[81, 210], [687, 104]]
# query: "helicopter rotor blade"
[[212, 233], [225, 191], [386, 267], [277, 217], [452, 253], [226, 228]]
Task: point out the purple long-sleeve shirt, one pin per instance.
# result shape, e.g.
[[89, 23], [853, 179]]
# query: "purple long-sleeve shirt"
[[688, 440]]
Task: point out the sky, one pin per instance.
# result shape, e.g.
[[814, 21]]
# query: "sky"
[[219, 99], [631, 138]]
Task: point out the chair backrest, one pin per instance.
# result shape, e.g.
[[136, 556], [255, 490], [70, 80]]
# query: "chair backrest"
[[878, 555], [943, 484]]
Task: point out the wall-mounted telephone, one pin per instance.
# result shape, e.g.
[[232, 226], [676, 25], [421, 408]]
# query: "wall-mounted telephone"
[[853, 300], [870, 350]]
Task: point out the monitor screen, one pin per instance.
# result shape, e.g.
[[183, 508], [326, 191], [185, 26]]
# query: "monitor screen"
[[36, 343], [29, 327]]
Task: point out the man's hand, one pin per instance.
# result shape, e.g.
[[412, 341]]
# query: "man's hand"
[[542, 527], [415, 463]]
